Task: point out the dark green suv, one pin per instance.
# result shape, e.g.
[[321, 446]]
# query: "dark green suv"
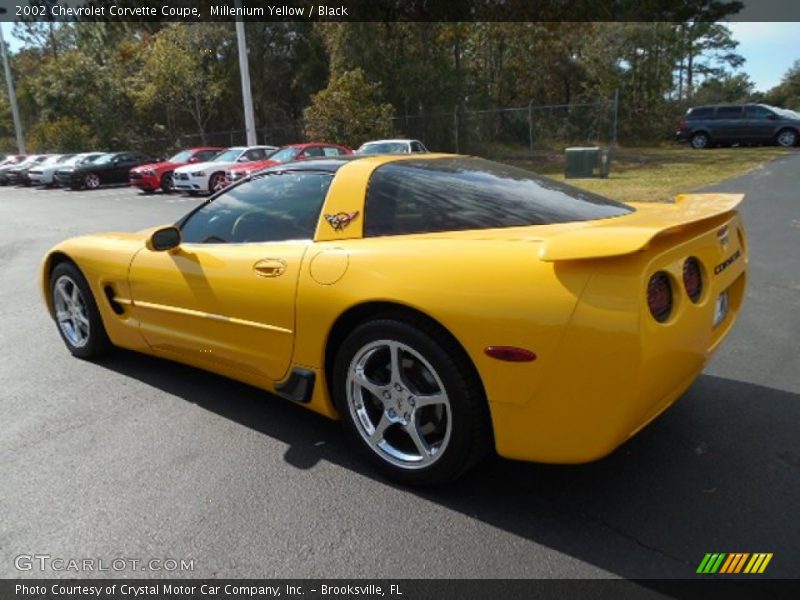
[[705, 126]]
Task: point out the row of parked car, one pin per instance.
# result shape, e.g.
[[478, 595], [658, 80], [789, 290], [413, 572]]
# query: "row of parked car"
[[194, 171]]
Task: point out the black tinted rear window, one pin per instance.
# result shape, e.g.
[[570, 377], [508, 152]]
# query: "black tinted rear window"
[[455, 194], [700, 113], [729, 112]]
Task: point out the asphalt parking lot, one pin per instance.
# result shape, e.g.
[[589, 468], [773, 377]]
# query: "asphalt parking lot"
[[140, 458]]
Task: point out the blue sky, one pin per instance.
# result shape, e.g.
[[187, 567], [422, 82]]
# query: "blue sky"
[[769, 49]]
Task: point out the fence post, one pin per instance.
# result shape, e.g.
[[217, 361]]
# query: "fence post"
[[614, 118], [455, 131], [530, 125]]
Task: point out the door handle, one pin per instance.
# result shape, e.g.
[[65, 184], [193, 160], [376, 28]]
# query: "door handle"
[[270, 267]]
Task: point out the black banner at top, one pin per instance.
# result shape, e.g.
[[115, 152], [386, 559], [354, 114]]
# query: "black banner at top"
[[399, 10]]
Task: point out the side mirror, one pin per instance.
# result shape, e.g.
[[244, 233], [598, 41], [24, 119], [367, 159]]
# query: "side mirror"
[[243, 159], [164, 239], [193, 159]]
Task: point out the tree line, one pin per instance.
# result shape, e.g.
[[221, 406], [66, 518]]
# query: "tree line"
[[138, 85]]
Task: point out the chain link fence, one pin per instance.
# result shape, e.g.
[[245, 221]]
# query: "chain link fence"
[[495, 133], [519, 131]]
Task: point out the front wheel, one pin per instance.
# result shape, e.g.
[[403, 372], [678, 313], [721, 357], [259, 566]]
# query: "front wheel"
[[410, 401], [91, 181], [217, 182], [787, 138], [76, 313], [166, 183]]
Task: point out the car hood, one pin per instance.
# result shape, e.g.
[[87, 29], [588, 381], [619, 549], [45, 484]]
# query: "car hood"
[[254, 166], [200, 166], [165, 164]]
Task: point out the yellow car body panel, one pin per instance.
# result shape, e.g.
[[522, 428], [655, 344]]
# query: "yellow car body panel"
[[572, 293]]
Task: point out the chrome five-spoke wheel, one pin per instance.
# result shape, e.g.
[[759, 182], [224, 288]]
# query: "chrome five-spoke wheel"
[[411, 400], [71, 313], [399, 404], [75, 312]]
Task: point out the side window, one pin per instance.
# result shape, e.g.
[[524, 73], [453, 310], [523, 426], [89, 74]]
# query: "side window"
[[313, 152], [700, 113], [331, 151], [255, 154], [417, 147], [272, 207], [206, 155], [729, 112], [758, 112]]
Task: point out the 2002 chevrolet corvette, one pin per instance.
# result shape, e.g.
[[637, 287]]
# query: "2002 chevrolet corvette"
[[439, 304]]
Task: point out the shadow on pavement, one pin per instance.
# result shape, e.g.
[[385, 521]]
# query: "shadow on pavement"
[[717, 473]]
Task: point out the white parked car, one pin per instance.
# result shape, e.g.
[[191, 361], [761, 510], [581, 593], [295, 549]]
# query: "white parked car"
[[210, 176], [392, 147], [42, 174]]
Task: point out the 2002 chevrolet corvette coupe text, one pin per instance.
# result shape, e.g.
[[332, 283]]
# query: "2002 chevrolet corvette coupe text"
[[439, 304]]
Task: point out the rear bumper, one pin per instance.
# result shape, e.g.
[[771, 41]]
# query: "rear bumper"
[[616, 369], [682, 135]]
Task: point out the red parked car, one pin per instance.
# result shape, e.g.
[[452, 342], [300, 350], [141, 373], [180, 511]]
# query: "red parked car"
[[286, 154], [151, 177]]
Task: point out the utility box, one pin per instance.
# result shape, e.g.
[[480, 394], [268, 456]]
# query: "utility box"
[[587, 162]]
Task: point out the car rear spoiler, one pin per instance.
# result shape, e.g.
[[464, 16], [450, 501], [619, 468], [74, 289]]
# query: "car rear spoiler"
[[632, 232]]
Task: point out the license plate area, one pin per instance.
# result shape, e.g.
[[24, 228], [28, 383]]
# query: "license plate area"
[[721, 306]]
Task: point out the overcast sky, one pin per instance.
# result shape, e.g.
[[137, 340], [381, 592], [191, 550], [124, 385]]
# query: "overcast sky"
[[769, 49]]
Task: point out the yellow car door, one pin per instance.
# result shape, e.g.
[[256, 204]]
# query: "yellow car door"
[[226, 293]]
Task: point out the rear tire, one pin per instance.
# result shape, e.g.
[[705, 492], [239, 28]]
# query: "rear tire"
[[76, 314], [786, 138], [410, 401], [699, 141]]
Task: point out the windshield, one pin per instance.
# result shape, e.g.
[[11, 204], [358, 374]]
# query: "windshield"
[[785, 112], [285, 154], [181, 156], [104, 159], [52, 160], [93, 158], [228, 156], [384, 148]]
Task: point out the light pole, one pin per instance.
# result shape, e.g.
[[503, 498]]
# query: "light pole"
[[12, 96], [244, 73]]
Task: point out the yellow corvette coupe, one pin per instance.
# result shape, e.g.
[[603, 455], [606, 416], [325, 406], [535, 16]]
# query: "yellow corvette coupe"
[[440, 305]]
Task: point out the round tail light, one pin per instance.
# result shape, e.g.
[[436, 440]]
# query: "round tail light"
[[693, 279], [659, 296]]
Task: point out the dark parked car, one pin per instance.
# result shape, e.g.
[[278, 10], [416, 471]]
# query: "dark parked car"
[[703, 126], [109, 168], [18, 174]]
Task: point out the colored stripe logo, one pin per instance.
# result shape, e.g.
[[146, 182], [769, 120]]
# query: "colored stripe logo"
[[734, 563]]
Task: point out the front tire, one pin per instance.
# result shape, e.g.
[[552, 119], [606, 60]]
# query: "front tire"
[[91, 181], [166, 183], [76, 314], [786, 138], [700, 141], [410, 401], [217, 182]]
